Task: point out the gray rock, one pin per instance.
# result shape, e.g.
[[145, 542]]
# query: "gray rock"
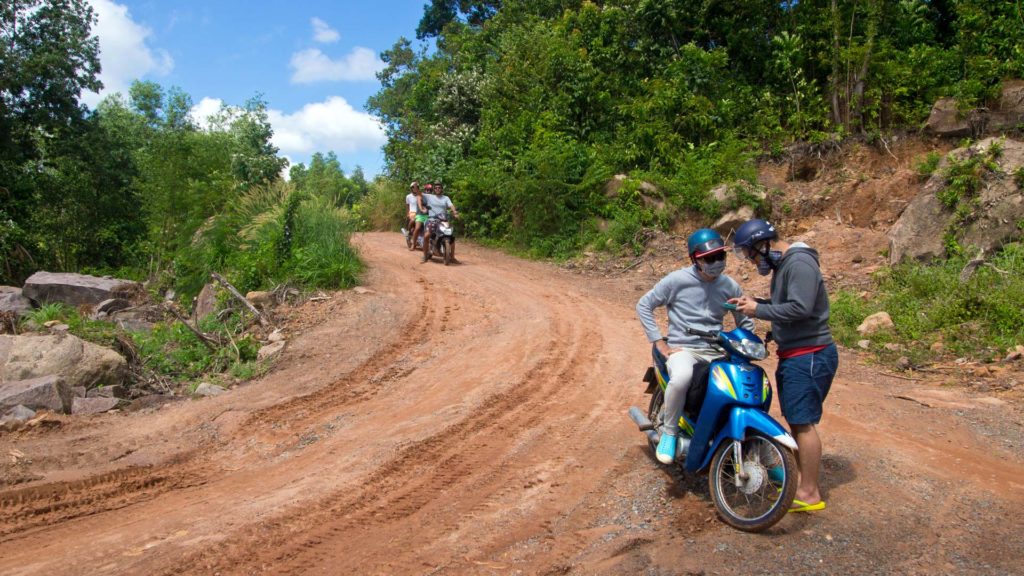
[[919, 234], [79, 391], [207, 389], [111, 305], [276, 336], [876, 322], [947, 120], [12, 300], [93, 405], [45, 392], [72, 289], [114, 391], [206, 302], [77, 362], [730, 221], [270, 350], [20, 413]]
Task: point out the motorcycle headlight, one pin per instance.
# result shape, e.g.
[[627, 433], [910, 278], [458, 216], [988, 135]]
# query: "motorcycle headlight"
[[751, 349]]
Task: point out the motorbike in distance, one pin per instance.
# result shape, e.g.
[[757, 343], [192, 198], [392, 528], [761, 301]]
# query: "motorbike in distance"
[[727, 432], [441, 239]]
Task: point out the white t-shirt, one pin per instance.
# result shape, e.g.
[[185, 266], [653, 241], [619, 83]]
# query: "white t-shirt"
[[437, 205], [410, 199]]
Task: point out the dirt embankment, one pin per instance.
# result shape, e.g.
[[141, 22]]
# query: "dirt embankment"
[[471, 420]]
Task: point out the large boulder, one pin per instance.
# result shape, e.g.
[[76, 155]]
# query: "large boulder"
[[75, 361], [1010, 113], [732, 220], [920, 232], [12, 300], [45, 392], [946, 119], [75, 289]]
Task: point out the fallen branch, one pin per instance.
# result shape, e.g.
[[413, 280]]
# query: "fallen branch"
[[202, 337], [234, 292], [925, 404], [634, 264]]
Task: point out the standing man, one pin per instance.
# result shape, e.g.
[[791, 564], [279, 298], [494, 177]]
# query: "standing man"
[[693, 297], [437, 204], [808, 360]]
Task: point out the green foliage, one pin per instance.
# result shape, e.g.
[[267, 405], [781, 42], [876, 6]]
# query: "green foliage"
[[975, 319], [928, 166], [173, 350], [95, 331], [1018, 177]]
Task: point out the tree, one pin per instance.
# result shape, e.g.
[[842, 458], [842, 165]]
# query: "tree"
[[47, 58]]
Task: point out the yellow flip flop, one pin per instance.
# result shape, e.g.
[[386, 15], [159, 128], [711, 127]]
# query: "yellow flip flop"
[[801, 506]]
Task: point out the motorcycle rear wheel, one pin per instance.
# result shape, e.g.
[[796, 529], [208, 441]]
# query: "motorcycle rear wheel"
[[654, 414], [761, 500]]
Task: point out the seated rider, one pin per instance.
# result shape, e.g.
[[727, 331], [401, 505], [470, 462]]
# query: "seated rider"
[[412, 201], [437, 204], [693, 298]]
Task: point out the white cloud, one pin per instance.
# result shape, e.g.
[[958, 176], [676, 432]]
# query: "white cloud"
[[324, 126], [124, 53], [323, 33], [312, 65], [206, 108]]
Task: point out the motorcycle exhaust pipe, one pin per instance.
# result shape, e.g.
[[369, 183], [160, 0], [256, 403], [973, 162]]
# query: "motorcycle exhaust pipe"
[[644, 424]]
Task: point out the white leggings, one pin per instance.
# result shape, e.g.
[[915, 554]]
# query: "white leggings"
[[680, 372]]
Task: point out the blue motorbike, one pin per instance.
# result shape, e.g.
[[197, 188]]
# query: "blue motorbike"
[[726, 431]]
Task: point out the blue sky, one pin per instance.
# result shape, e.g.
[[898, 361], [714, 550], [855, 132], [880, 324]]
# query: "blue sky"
[[313, 62]]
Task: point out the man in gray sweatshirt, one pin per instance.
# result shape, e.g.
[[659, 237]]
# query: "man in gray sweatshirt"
[[808, 359], [693, 297]]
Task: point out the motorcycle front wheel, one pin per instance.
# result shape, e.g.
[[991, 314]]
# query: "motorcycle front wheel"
[[446, 250], [755, 493]]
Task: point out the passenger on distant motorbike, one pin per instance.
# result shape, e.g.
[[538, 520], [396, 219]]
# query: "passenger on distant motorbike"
[[693, 298], [437, 204], [415, 205]]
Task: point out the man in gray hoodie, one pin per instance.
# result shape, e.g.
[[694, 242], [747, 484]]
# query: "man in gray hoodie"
[[808, 359]]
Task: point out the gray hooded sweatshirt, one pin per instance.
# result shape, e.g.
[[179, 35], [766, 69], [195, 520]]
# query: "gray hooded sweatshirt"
[[799, 306], [691, 302]]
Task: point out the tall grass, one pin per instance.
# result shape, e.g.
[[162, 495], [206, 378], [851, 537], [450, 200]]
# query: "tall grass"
[[979, 318]]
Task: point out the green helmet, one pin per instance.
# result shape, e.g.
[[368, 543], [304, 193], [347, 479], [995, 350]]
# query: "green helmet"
[[703, 242]]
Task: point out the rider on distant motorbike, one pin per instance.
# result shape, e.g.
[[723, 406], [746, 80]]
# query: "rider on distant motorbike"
[[438, 204], [693, 297]]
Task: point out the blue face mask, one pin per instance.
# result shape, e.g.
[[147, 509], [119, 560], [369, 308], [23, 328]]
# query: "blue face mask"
[[766, 265]]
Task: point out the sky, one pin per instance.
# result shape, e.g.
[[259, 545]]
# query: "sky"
[[313, 63]]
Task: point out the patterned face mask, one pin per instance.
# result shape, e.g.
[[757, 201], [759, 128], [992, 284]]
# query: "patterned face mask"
[[765, 265], [713, 269]]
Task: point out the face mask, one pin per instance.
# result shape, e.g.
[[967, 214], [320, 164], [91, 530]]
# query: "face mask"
[[713, 269], [765, 265]]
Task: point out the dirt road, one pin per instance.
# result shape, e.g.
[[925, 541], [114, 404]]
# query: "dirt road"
[[471, 419]]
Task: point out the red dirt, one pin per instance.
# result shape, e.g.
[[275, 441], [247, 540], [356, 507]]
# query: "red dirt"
[[498, 445]]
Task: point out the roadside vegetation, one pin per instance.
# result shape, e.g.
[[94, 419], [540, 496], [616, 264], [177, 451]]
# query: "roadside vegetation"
[[936, 311], [525, 109]]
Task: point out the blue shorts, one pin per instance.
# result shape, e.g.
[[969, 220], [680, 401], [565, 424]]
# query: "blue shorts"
[[803, 383]]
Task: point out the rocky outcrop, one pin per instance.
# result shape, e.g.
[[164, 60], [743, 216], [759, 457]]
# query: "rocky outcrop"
[[947, 119], [12, 300], [46, 392], [920, 232], [75, 361], [206, 302], [74, 289]]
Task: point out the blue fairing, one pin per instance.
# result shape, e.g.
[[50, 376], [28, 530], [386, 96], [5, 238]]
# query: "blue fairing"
[[739, 421]]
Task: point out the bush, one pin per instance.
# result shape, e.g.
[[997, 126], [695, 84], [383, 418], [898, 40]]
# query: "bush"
[[975, 319]]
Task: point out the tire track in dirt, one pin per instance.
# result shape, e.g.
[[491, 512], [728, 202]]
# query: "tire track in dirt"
[[23, 509], [419, 474]]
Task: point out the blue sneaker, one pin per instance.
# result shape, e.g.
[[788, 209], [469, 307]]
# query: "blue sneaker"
[[666, 451]]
